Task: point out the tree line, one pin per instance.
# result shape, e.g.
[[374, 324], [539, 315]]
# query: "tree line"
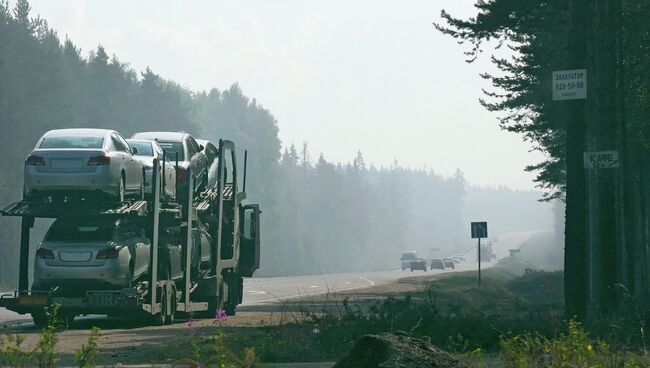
[[318, 216], [607, 240]]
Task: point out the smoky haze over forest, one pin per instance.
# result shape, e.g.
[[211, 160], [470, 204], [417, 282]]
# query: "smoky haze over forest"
[[319, 216]]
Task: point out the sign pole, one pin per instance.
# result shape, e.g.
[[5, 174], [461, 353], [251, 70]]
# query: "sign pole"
[[479, 262], [479, 230]]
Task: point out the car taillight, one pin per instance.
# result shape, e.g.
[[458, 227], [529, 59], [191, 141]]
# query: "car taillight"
[[34, 161], [108, 253], [44, 253], [99, 160], [181, 174]]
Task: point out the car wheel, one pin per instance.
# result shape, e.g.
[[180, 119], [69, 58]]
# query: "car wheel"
[[142, 183], [129, 277], [121, 188]]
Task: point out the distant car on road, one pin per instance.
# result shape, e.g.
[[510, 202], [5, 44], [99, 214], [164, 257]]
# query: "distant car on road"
[[419, 264], [68, 162], [145, 152], [211, 152], [449, 263], [437, 264], [91, 254], [189, 156], [407, 257]]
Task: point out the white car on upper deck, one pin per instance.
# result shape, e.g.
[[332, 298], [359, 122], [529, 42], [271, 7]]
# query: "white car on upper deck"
[[82, 162]]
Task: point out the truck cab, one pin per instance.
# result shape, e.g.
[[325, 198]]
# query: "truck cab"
[[407, 257]]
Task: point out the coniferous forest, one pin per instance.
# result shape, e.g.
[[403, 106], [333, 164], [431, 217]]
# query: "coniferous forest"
[[318, 216]]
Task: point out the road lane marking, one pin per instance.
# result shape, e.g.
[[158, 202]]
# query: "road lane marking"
[[280, 298]]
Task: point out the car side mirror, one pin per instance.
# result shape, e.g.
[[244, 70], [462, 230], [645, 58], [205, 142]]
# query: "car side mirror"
[[134, 150], [201, 147]]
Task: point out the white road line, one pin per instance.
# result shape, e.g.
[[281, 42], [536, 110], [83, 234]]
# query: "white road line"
[[370, 282]]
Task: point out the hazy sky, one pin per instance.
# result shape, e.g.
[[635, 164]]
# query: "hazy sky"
[[348, 75]]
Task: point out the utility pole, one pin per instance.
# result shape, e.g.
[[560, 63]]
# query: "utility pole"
[[575, 242], [606, 246]]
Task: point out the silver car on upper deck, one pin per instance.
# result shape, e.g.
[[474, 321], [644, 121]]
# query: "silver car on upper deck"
[[81, 162], [211, 152], [184, 147], [146, 151]]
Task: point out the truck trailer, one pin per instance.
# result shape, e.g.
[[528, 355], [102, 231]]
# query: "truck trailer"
[[234, 251]]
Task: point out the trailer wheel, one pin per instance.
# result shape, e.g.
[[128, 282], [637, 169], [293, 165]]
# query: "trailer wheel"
[[171, 317], [230, 308], [161, 318], [40, 319], [68, 319]]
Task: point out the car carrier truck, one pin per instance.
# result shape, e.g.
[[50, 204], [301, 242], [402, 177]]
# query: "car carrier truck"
[[234, 251]]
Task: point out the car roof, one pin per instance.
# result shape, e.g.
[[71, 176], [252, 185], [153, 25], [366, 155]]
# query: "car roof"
[[204, 142], [141, 141], [161, 136], [79, 132]]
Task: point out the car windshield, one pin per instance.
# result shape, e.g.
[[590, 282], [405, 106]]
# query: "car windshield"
[[144, 148], [73, 141], [171, 148], [62, 231]]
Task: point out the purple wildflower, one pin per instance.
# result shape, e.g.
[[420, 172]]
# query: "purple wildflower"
[[220, 316]]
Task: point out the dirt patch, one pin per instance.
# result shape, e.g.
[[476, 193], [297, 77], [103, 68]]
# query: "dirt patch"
[[396, 351]]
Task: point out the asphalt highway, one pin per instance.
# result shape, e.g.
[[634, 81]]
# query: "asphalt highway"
[[275, 289], [260, 291]]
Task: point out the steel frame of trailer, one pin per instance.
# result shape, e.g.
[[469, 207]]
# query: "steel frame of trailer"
[[25, 300]]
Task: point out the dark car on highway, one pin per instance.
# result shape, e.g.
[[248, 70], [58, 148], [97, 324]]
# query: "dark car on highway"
[[419, 264], [437, 264], [449, 263]]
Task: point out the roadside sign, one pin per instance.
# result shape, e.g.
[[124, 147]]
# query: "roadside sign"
[[570, 85], [601, 160], [479, 230]]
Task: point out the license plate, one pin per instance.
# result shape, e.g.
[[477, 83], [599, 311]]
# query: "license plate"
[[33, 300], [75, 256], [66, 163], [101, 299]]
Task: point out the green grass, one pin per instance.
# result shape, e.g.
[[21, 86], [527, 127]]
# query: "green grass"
[[451, 312], [516, 320]]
